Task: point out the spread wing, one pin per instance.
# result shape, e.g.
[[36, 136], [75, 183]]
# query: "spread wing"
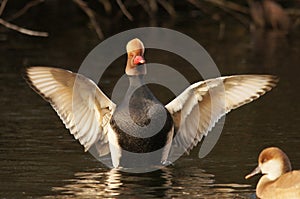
[[80, 104], [201, 105]]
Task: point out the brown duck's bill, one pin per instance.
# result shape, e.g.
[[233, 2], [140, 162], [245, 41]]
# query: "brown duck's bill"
[[253, 173]]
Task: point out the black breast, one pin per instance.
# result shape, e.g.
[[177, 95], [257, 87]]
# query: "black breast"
[[141, 122]]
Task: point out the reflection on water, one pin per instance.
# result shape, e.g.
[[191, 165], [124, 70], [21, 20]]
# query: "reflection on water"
[[93, 183], [165, 183], [266, 45]]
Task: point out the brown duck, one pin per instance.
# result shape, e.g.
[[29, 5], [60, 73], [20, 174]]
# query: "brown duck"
[[278, 180]]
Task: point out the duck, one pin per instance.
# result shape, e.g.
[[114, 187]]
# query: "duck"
[[141, 124], [278, 180]]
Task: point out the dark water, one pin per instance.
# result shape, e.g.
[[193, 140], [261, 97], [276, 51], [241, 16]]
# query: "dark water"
[[40, 159]]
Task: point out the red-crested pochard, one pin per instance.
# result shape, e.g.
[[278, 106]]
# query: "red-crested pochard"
[[99, 123], [278, 180]]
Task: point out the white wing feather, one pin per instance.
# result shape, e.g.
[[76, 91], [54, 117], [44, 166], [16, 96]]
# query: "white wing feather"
[[80, 104], [201, 105]]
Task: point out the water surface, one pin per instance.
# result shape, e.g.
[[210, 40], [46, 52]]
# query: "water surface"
[[40, 159]]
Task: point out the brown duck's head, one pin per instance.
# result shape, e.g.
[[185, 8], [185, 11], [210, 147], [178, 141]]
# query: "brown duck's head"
[[272, 162], [135, 58]]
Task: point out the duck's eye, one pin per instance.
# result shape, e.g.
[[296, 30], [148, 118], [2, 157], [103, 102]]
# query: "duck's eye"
[[131, 54]]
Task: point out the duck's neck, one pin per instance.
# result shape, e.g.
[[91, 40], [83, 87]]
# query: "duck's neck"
[[261, 187], [135, 82]]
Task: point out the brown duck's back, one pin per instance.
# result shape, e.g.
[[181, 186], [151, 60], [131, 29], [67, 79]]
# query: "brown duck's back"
[[286, 186]]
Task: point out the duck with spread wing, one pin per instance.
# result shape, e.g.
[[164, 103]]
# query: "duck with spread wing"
[[141, 124]]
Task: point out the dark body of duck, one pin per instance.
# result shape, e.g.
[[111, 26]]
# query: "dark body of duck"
[[142, 108]]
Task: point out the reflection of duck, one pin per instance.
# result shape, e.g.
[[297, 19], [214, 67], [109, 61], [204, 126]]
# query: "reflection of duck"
[[141, 124], [102, 183], [269, 14], [96, 183], [278, 180], [168, 182]]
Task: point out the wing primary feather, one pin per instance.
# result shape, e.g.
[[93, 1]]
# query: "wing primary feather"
[[215, 98], [76, 110]]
